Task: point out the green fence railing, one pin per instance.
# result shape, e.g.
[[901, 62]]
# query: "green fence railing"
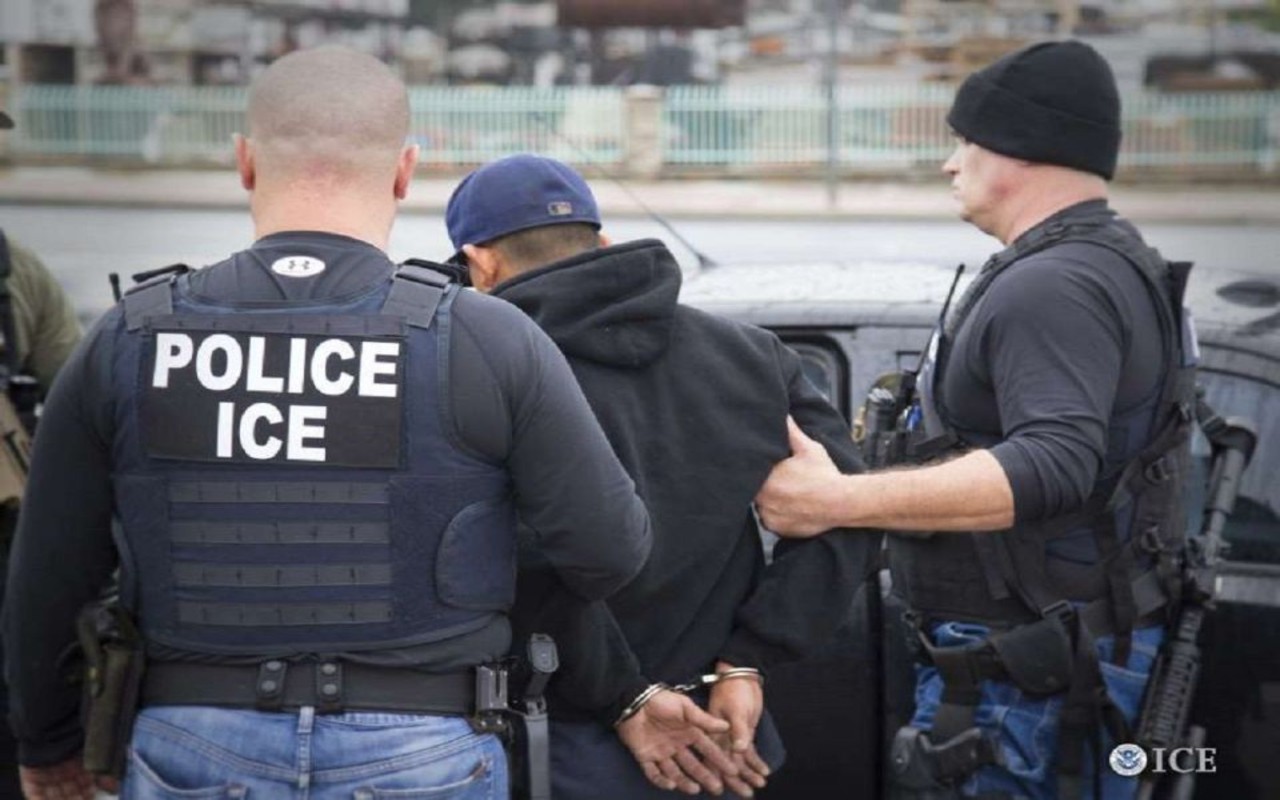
[[156, 124], [892, 127], [464, 126], [193, 124], [880, 129], [876, 127]]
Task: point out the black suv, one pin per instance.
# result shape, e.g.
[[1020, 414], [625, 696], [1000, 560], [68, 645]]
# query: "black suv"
[[853, 322]]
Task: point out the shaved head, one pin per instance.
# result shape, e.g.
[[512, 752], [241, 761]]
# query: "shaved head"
[[330, 113]]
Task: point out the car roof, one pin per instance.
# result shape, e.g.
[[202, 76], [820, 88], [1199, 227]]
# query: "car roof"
[[1237, 306]]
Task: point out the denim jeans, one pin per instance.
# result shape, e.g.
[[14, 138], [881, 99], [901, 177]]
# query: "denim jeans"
[[1026, 728], [204, 752]]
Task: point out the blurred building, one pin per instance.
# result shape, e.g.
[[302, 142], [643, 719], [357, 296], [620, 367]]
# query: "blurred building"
[[190, 41], [1169, 44]]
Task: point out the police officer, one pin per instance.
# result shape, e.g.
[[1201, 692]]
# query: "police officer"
[[39, 329], [308, 474], [1054, 408], [38, 325]]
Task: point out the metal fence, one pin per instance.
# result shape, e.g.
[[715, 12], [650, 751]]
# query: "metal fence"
[[457, 127], [154, 124], [877, 127], [883, 129], [888, 128], [183, 125]]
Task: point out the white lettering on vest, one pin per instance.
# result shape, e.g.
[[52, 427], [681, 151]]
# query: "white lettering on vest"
[[272, 428], [372, 366], [300, 431], [267, 448], [320, 366], [297, 365], [303, 434], [226, 417], [173, 351], [257, 381], [204, 362]]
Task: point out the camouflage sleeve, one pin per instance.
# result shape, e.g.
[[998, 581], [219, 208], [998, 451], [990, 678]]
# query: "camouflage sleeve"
[[45, 322]]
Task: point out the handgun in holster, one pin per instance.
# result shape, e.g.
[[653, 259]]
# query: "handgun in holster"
[[522, 723], [114, 661]]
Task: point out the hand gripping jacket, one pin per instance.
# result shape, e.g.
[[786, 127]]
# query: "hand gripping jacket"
[[1044, 612], [284, 479]]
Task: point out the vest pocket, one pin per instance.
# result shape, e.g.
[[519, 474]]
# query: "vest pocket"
[[476, 565]]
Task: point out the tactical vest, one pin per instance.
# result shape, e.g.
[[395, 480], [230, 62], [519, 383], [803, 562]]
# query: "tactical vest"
[[285, 480], [1134, 512]]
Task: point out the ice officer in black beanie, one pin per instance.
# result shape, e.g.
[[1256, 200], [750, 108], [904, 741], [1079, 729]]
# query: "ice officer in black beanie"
[[1036, 539]]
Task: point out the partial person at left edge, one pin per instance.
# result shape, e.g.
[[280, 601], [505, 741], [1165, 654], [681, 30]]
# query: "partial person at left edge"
[[308, 476], [39, 329], [38, 317]]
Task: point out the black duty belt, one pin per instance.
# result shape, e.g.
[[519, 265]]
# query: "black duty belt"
[[328, 686]]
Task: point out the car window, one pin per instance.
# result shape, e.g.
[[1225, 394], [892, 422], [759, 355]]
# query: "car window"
[[825, 368], [1254, 528]]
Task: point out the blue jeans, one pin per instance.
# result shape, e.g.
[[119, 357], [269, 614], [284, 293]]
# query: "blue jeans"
[[1026, 728], [204, 752]]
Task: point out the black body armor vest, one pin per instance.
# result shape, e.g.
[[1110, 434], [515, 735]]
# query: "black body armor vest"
[[1134, 512]]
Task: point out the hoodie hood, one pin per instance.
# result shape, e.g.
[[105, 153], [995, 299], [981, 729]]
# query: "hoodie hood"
[[614, 306]]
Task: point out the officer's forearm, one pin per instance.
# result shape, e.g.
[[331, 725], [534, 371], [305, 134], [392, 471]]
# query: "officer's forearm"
[[970, 493]]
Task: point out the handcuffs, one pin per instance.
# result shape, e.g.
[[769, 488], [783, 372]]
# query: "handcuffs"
[[709, 679]]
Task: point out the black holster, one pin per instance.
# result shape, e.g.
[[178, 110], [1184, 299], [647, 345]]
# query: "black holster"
[[521, 719], [922, 770], [532, 740], [114, 663]]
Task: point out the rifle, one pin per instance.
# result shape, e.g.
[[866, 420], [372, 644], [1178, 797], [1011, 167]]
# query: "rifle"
[[1167, 706]]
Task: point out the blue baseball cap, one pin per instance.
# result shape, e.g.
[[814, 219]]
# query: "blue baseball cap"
[[514, 194]]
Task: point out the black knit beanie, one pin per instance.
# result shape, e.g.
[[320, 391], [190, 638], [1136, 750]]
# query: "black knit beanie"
[[1053, 103]]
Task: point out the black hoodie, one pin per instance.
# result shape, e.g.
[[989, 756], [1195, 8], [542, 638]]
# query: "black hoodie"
[[695, 407]]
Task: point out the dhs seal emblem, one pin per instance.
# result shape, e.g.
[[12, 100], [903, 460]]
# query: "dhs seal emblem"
[[1128, 760]]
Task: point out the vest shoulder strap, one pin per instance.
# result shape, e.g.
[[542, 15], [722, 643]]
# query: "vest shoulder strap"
[[416, 294], [151, 298]]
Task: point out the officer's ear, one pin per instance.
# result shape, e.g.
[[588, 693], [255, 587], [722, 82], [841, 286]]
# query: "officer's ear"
[[483, 263], [244, 161], [605, 241], [404, 170]]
